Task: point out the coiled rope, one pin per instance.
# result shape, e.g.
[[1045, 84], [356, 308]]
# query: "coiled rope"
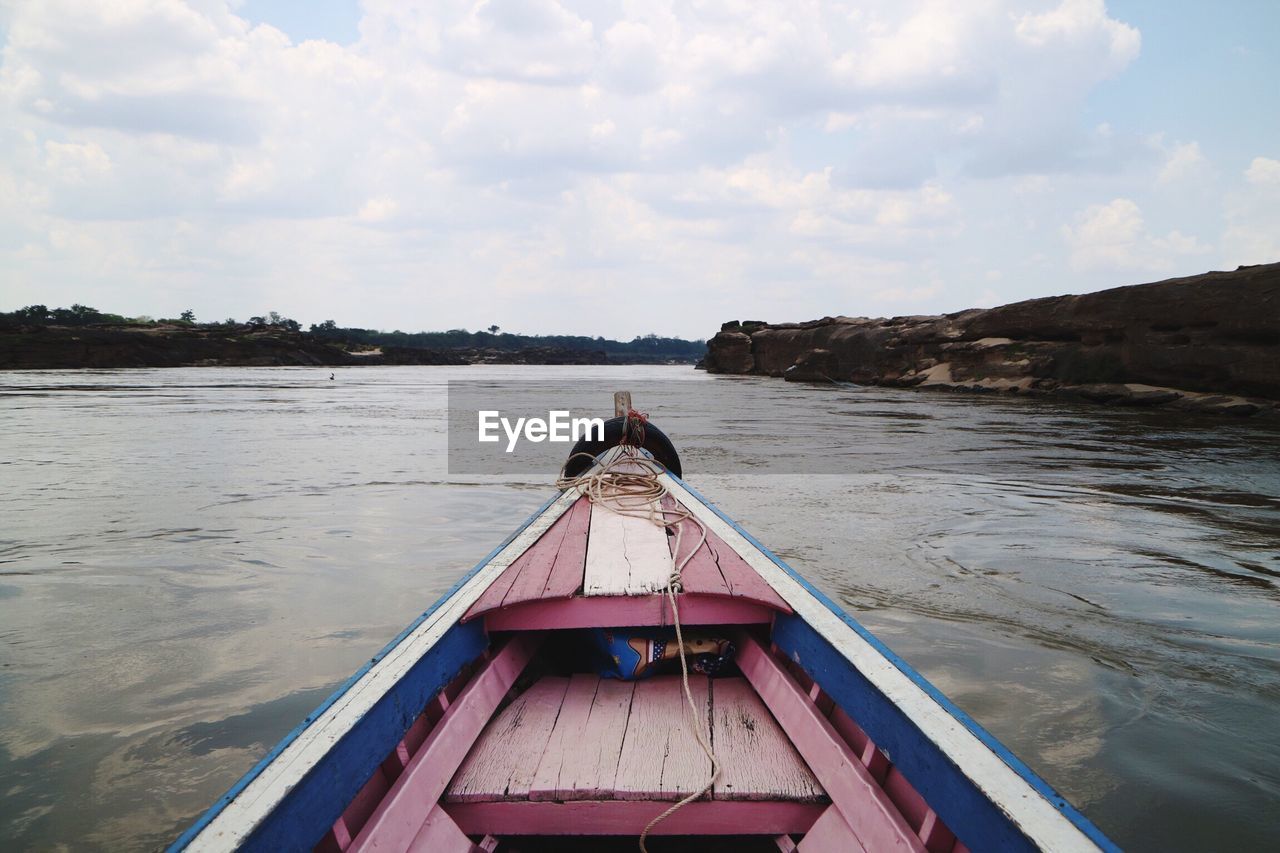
[[628, 485]]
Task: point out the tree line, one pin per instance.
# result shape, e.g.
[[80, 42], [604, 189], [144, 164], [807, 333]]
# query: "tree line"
[[649, 346]]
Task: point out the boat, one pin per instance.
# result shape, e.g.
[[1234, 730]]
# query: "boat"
[[630, 665]]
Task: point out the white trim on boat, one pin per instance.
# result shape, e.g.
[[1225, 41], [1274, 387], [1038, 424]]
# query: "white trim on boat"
[[237, 820], [1038, 819]]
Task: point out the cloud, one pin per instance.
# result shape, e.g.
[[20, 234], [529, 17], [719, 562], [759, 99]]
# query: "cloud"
[[1263, 172], [1252, 234], [462, 153], [1114, 236], [1182, 161]]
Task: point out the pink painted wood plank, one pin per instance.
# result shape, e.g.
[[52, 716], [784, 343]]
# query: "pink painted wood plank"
[[329, 844], [614, 817], [571, 560], [831, 833], [757, 761], [733, 572], [785, 844], [402, 812], [848, 729], [876, 762], [661, 758], [538, 562], [417, 734], [529, 575], [357, 812], [743, 580], [702, 573], [502, 763], [439, 834], [494, 593], [906, 798], [614, 610], [566, 736], [935, 834], [587, 766], [862, 803]]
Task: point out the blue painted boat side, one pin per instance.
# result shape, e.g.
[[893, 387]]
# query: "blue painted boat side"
[[947, 788], [384, 742], [306, 813]]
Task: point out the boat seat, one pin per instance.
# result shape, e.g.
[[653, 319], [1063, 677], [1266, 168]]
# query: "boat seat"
[[568, 747]]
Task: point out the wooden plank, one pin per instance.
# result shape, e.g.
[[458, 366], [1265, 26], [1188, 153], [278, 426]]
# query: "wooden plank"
[[743, 580], [502, 763], [661, 758], [540, 560], [862, 803], [757, 761], [716, 568], [626, 555], [936, 835], [493, 595], [614, 817], [621, 403], [567, 735], [357, 813], [571, 560], [630, 610], [402, 812], [588, 770], [702, 573], [439, 834], [905, 797], [542, 569], [830, 834]]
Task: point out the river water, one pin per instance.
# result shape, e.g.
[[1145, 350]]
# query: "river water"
[[191, 560]]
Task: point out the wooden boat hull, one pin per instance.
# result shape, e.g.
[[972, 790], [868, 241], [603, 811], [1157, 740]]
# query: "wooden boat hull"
[[903, 767]]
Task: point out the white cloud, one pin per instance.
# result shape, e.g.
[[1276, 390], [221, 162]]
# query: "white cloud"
[[1182, 161], [1114, 236], [1263, 171], [1076, 20], [76, 163], [1252, 234], [500, 151]]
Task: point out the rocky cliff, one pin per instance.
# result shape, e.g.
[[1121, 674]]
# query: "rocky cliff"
[[1208, 342]]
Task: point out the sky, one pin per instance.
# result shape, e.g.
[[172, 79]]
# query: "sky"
[[624, 168]]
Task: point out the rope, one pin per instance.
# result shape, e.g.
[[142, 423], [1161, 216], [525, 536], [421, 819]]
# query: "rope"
[[633, 428], [628, 485]]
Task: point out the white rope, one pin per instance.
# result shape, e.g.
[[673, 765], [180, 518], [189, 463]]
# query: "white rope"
[[628, 485]]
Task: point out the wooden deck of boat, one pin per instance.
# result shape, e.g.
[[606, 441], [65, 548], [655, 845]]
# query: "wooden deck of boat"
[[610, 569], [588, 738]]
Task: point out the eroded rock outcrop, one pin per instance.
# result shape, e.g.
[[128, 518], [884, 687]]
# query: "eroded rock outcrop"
[[1208, 342]]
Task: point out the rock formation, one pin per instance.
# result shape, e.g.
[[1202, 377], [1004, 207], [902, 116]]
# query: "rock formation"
[[1208, 342]]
